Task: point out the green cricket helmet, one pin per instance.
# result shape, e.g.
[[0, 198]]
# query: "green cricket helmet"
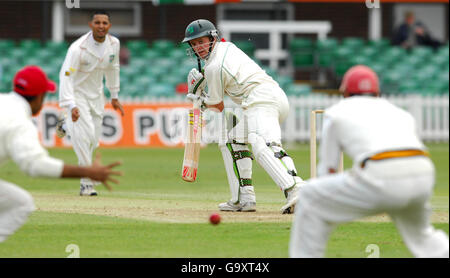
[[200, 28]]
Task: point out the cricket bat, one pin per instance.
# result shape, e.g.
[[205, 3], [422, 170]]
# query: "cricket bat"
[[192, 144], [193, 139]]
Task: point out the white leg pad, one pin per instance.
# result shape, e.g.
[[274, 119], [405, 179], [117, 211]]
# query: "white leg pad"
[[274, 166], [239, 173]]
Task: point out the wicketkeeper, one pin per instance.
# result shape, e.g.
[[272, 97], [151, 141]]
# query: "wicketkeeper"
[[228, 70]]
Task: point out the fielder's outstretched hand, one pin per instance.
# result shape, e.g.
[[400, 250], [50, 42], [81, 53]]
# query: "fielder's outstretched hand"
[[103, 173]]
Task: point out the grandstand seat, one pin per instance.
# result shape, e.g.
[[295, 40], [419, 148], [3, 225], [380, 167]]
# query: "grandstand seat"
[[17, 54], [380, 45], [6, 62], [369, 51], [439, 60], [424, 75], [5, 84], [138, 64], [443, 51], [190, 62], [56, 47], [360, 60], [177, 54], [144, 81], [30, 45], [46, 54], [302, 52], [285, 81], [247, 46], [148, 55], [172, 79], [395, 52], [136, 47], [341, 67], [163, 46], [156, 72], [354, 43], [409, 86], [342, 60], [422, 52], [33, 60], [437, 87], [443, 76], [413, 61], [325, 49], [327, 44], [390, 80], [404, 69], [298, 89], [6, 46], [164, 62], [129, 72], [132, 90], [378, 67], [181, 71], [162, 90]]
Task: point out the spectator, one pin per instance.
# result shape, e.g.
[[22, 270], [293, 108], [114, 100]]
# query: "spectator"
[[412, 33]]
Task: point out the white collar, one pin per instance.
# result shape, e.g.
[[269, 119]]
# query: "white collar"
[[94, 42], [87, 43]]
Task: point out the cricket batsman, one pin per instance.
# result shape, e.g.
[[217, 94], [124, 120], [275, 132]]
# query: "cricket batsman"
[[228, 70]]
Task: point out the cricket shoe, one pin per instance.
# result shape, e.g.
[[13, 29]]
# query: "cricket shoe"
[[60, 131], [245, 207], [87, 190], [291, 199]]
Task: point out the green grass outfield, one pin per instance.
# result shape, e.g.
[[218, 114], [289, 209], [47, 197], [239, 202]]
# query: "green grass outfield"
[[153, 213]]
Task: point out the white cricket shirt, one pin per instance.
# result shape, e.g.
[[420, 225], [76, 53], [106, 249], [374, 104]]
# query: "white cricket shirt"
[[362, 126], [228, 70], [84, 67], [19, 139]]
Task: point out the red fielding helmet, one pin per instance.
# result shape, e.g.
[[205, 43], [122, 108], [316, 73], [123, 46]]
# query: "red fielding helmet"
[[360, 79]]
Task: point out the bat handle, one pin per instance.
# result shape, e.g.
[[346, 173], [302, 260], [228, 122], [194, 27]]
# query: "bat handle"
[[199, 64]]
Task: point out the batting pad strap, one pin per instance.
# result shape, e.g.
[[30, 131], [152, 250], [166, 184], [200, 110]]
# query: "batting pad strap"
[[246, 182], [280, 154], [242, 154]]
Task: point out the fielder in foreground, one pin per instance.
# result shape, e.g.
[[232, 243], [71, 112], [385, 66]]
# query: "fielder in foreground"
[[90, 58], [19, 141], [392, 173], [228, 70]]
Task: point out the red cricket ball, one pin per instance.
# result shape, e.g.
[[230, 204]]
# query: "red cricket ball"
[[214, 218]]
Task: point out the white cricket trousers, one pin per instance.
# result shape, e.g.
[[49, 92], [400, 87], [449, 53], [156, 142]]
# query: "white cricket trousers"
[[85, 132], [15, 206], [400, 187]]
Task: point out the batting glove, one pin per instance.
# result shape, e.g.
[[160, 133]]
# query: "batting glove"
[[196, 81], [202, 96]]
